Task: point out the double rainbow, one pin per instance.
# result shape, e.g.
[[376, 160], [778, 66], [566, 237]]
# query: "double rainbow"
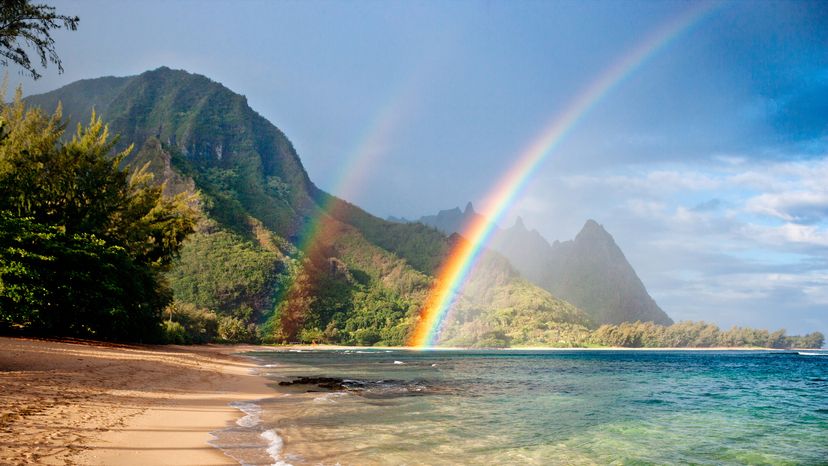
[[455, 270]]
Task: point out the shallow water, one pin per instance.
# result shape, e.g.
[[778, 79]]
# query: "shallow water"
[[555, 407]]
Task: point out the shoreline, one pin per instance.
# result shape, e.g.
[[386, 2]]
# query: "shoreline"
[[95, 403], [305, 347]]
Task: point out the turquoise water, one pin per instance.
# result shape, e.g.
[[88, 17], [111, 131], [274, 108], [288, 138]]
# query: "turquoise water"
[[556, 407]]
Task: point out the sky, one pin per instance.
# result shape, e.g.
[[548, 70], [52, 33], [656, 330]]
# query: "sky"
[[707, 163]]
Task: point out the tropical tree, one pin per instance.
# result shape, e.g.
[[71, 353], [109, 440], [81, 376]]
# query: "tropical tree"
[[84, 241], [25, 26]]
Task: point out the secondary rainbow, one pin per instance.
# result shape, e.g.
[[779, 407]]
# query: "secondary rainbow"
[[373, 144], [454, 271]]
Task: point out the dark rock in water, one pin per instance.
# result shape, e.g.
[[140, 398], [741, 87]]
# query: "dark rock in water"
[[379, 389], [330, 383]]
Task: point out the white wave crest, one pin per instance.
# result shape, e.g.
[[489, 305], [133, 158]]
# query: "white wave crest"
[[252, 413], [275, 446], [328, 397]]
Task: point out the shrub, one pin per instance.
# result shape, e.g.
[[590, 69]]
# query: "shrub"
[[174, 333], [200, 325], [235, 330], [311, 335], [366, 336]]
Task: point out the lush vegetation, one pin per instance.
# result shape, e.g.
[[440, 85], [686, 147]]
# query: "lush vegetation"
[[499, 309], [698, 335], [421, 246], [328, 301], [510, 327], [83, 242], [228, 274]]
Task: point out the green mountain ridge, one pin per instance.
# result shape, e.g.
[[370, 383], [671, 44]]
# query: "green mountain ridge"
[[361, 280], [589, 271]]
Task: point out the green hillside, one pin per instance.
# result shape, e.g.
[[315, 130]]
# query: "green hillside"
[[249, 266]]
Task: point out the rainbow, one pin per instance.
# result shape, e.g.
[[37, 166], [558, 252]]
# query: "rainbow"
[[453, 273], [374, 141], [319, 231], [373, 144]]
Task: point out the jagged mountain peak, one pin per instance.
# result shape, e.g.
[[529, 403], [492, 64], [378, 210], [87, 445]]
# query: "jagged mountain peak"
[[593, 229], [454, 211], [596, 235], [589, 271]]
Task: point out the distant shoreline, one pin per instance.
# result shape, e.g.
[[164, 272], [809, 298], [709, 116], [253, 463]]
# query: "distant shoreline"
[[526, 348]]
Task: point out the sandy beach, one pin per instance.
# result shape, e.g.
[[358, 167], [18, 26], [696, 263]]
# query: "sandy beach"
[[98, 404]]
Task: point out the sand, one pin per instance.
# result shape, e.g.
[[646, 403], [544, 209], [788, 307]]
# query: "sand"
[[91, 403]]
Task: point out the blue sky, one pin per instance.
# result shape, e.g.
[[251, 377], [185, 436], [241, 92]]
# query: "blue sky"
[[707, 164]]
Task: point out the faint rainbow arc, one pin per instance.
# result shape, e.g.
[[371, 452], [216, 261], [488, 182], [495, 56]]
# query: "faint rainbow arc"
[[371, 145], [455, 270]]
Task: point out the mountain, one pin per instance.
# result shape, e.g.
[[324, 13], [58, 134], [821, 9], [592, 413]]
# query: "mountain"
[[590, 271], [452, 220], [275, 253]]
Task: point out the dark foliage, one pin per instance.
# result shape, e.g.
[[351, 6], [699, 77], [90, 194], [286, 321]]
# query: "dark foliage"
[[24, 25], [83, 241], [54, 283]]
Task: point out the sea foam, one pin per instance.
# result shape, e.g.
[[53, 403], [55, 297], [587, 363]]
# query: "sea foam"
[[328, 397], [252, 413], [275, 447]]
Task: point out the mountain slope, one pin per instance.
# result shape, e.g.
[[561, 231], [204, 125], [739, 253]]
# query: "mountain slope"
[[235, 156], [308, 265], [589, 271], [592, 272]]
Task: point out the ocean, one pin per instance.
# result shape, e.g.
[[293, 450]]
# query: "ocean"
[[399, 407]]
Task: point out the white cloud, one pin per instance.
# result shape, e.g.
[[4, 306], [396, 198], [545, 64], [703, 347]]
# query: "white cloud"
[[646, 207], [788, 233], [657, 181], [792, 206], [722, 239]]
